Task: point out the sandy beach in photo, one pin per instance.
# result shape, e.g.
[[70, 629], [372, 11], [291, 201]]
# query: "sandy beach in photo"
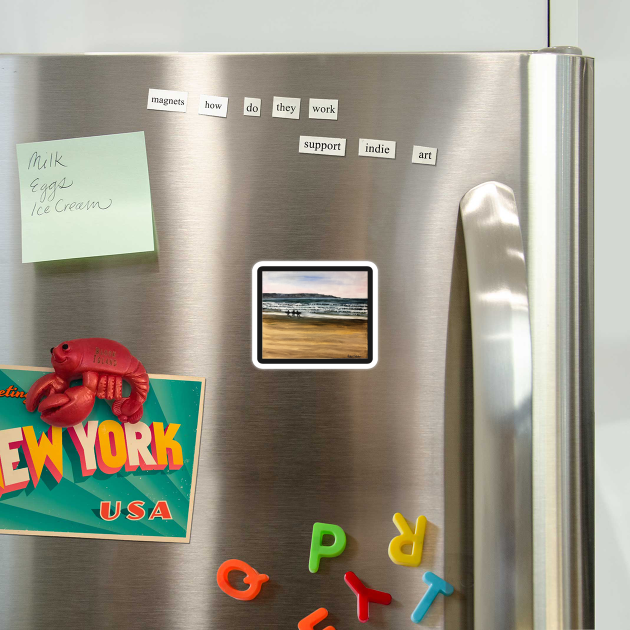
[[313, 337]]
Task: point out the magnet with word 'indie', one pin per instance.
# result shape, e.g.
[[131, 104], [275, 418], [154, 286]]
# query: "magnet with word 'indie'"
[[309, 623], [319, 550], [252, 577], [436, 586], [102, 364], [407, 537], [365, 595]]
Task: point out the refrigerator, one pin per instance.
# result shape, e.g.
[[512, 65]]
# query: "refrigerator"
[[475, 408]]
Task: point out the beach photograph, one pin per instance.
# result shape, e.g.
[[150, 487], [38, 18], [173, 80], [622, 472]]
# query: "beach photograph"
[[315, 314]]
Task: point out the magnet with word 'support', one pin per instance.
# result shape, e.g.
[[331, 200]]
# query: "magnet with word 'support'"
[[407, 537], [252, 577]]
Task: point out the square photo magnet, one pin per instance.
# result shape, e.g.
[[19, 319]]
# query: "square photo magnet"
[[315, 315]]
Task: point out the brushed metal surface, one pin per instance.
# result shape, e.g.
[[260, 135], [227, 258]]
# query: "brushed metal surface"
[[502, 368], [280, 449], [560, 276]]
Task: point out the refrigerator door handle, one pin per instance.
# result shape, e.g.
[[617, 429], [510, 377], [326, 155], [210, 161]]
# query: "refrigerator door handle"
[[502, 373]]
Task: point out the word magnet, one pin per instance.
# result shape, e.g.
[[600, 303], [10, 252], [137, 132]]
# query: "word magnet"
[[322, 146], [213, 106], [319, 550], [377, 148], [285, 107], [252, 577], [407, 537], [424, 155], [167, 100], [323, 108], [251, 106]]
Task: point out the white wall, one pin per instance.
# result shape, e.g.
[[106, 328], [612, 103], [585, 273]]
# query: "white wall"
[[604, 29], [270, 25]]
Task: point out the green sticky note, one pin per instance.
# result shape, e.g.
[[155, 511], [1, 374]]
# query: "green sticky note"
[[85, 197]]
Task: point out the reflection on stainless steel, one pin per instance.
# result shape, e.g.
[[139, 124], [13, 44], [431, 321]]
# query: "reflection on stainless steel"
[[502, 364], [282, 449], [559, 256]]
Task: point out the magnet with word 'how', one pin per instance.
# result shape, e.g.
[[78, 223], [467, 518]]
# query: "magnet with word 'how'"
[[252, 577], [365, 595], [319, 550], [436, 586], [309, 623], [407, 537]]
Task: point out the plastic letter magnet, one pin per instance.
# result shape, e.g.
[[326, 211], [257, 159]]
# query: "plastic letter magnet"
[[365, 596], [436, 586], [407, 537], [252, 577], [319, 551], [308, 623]]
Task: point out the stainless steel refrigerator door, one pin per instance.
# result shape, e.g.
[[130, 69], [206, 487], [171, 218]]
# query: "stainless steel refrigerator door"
[[280, 449]]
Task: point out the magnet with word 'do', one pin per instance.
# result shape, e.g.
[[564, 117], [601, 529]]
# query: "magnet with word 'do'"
[[252, 577]]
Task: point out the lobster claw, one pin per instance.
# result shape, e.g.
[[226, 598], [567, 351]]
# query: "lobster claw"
[[68, 408], [128, 410], [43, 386]]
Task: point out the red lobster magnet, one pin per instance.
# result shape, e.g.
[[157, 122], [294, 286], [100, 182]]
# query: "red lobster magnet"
[[103, 364]]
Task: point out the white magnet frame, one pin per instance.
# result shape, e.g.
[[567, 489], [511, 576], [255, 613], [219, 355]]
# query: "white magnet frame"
[[314, 366]]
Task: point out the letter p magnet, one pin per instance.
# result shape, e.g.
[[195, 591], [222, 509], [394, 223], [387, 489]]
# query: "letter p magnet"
[[319, 551]]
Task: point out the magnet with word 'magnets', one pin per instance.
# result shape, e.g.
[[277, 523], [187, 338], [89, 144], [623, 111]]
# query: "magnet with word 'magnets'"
[[407, 537], [252, 577], [309, 623], [319, 551]]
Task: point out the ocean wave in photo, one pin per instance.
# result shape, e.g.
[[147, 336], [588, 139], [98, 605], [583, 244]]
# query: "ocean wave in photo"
[[317, 307]]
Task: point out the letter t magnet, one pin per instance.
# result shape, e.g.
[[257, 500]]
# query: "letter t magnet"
[[407, 537], [436, 586]]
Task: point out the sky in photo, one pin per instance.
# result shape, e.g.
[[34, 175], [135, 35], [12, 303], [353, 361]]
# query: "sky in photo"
[[344, 284]]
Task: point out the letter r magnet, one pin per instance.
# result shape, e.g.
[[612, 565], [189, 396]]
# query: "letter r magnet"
[[407, 537]]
